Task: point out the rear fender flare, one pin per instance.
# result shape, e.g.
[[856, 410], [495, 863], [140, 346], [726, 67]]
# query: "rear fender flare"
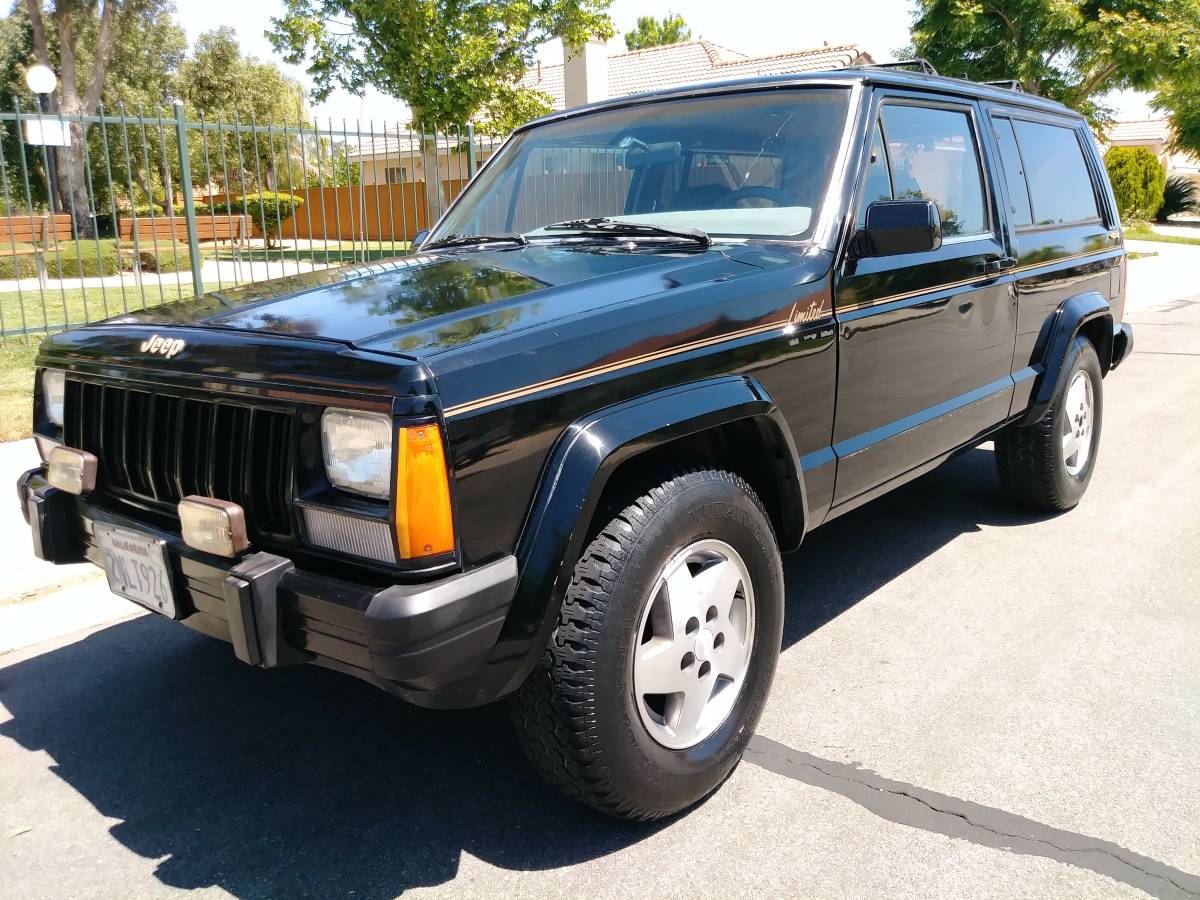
[[1058, 334]]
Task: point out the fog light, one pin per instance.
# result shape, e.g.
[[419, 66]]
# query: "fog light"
[[214, 526], [71, 470]]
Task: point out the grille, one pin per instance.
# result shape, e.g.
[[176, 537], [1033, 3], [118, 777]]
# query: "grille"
[[159, 448]]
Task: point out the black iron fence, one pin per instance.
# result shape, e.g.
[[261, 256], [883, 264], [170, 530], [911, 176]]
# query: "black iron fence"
[[107, 214]]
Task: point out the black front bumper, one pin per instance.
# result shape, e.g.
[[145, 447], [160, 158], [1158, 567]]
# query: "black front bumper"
[[415, 640]]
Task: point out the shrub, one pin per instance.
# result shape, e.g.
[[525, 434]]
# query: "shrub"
[[160, 256], [1138, 181], [1181, 195], [178, 210], [84, 260], [16, 266], [269, 210]]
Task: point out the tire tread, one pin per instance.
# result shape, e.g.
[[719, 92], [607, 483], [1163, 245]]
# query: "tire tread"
[[553, 712]]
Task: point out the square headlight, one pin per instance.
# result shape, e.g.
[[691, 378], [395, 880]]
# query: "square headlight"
[[54, 392], [357, 448]]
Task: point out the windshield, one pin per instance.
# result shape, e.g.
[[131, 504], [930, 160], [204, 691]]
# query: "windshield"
[[739, 165]]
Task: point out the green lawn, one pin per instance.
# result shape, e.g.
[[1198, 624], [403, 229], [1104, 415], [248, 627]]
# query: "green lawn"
[[16, 388], [1145, 233], [57, 308]]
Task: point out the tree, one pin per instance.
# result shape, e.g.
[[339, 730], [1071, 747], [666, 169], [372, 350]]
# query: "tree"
[[1073, 51], [449, 60], [650, 32], [222, 84], [80, 81], [125, 51], [140, 79], [1180, 99]]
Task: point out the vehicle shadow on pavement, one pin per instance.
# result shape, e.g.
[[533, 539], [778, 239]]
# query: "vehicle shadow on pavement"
[[854, 555], [303, 782], [286, 783]]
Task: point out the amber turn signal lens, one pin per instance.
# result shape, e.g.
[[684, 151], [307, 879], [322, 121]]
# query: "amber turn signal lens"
[[424, 524]]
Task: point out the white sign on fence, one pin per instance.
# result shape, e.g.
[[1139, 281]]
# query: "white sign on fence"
[[51, 132]]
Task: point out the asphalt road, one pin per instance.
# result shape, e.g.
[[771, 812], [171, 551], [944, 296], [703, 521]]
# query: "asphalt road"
[[971, 701]]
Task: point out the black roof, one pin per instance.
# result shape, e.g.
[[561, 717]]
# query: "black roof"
[[853, 74]]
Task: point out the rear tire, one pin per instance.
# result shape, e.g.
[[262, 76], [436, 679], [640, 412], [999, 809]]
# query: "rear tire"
[[587, 718], [1047, 465]]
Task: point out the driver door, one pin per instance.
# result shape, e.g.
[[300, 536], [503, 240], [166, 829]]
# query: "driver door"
[[926, 339]]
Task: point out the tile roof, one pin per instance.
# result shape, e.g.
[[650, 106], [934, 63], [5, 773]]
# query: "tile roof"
[[1146, 131], [407, 142], [694, 61]]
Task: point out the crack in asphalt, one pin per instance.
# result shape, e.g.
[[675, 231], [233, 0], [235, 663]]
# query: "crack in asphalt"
[[983, 825]]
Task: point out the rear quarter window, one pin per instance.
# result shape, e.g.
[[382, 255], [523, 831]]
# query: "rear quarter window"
[[1060, 189]]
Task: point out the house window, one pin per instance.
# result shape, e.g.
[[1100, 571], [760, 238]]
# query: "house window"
[[394, 175]]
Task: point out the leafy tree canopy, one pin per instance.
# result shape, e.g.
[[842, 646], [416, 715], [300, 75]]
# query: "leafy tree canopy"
[[1180, 99], [1073, 51], [651, 32], [449, 60], [218, 80]]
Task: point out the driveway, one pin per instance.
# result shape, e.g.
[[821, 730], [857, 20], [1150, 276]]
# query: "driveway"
[[971, 701]]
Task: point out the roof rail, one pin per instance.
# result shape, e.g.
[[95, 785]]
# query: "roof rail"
[[923, 65], [1009, 84]]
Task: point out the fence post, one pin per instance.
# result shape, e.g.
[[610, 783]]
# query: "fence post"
[[189, 202], [470, 150]]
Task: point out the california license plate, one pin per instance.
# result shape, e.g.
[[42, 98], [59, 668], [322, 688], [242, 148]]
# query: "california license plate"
[[137, 567]]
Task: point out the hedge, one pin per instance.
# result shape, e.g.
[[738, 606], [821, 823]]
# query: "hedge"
[[178, 210], [67, 262], [160, 257], [16, 266], [1138, 181]]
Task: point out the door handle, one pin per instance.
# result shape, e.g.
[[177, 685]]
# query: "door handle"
[[996, 264]]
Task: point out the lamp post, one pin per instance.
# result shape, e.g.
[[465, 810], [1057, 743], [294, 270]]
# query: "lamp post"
[[42, 81]]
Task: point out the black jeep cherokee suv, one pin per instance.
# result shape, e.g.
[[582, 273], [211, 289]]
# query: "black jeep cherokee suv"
[[556, 453]]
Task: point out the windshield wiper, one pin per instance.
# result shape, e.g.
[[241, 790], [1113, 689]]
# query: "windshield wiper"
[[617, 228], [468, 240]]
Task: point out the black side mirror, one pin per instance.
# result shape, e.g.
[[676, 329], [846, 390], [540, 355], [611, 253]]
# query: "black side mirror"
[[418, 239], [899, 226]]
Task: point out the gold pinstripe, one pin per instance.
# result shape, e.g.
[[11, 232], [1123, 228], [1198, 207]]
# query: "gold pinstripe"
[[516, 393]]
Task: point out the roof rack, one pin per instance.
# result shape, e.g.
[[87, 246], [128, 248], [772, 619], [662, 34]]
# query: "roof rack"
[[1009, 84], [923, 65]]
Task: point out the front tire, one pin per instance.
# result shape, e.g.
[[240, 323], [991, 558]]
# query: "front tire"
[[1047, 465], [649, 693]]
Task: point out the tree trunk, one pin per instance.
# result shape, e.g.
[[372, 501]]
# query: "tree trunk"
[[164, 175], [71, 191], [435, 197]]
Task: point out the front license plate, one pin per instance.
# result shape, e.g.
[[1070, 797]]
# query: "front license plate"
[[137, 567]]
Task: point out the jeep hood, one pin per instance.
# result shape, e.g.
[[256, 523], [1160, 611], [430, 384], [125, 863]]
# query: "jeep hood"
[[420, 305]]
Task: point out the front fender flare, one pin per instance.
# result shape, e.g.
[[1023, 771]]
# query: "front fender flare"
[[586, 456], [1056, 338]]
